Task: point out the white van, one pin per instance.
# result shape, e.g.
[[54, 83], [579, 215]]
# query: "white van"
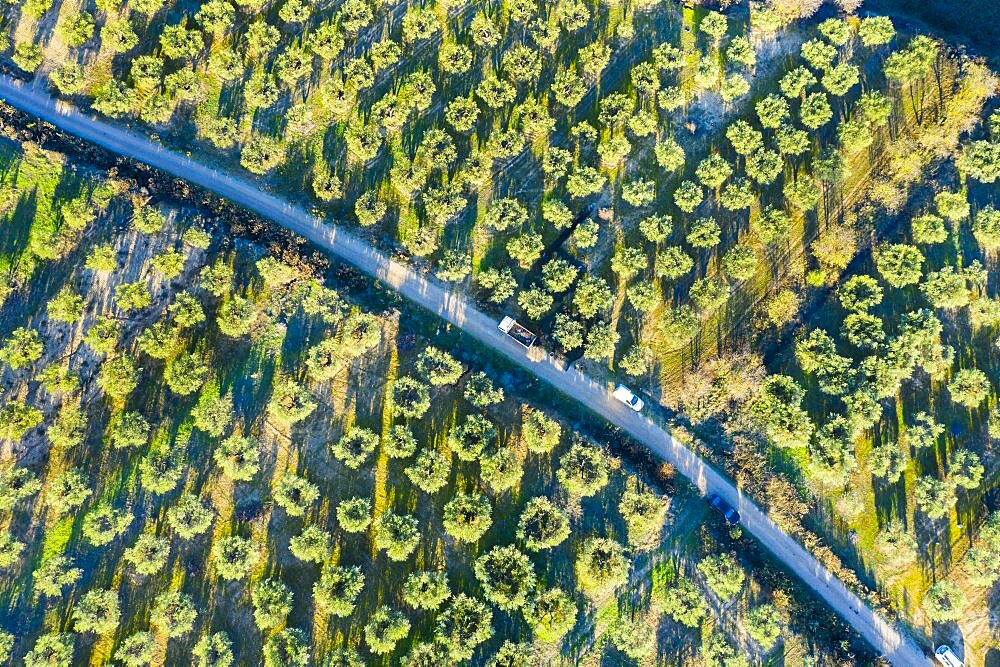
[[625, 395], [947, 657]]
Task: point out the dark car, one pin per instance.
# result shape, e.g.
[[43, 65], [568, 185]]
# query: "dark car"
[[727, 511]]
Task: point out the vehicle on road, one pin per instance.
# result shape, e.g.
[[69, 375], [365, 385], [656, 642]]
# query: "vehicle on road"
[[727, 511], [947, 657], [626, 396], [509, 326]]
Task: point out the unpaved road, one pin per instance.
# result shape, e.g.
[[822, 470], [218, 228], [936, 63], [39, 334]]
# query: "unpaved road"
[[457, 309]]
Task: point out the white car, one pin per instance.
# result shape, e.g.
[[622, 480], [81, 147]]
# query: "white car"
[[625, 395], [947, 657]]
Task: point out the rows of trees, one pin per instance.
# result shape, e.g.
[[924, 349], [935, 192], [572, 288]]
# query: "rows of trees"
[[159, 408]]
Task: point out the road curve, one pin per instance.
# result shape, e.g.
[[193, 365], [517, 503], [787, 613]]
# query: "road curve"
[[457, 309]]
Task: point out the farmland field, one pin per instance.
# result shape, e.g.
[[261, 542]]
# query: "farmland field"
[[201, 469], [776, 220]]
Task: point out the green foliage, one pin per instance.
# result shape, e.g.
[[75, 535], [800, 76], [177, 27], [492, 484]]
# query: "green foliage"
[[540, 432], [234, 557], [213, 413], [189, 517], [934, 497], [97, 611], [463, 626], [429, 471], [136, 650], [272, 602], [426, 590], [287, 648], [66, 306], [104, 523], [67, 491], [899, 264], [397, 535], [10, 554], [723, 574], [551, 614], [312, 545], [969, 387], [583, 470], [684, 603], [944, 602], [764, 625], [51, 650], [24, 347], [290, 403], [213, 650], [54, 574], [601, 567], [148, 555], [779, 413], [543, 525], [238, 457], [481, 392], [507, 577], [355, 446], [876, 31], [295, 494], [386, 627], [644, 513], [467, 517]]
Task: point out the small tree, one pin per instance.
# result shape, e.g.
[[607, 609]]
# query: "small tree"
[[136, 650], [234, 557], [583, 470], [644, 513], [551, 614], [54, 574], [895, 547], [295, 494], [899, 264], [355, 446], [272, 602], [385, 628], [507, 577], [540, 432], [214, 650], [51, 650], [148, 555], [969, 387], [463, 626], [410, 397], [934, 496], [173, 614], [764, 625], [429, 471], [426, 590], [601, 567], [24, 347], [104, 523], [189, 517], [467, 517], [287, 648], [354, 514], [481, 392], [944, 602], [543, 525], [684, 603], [724, 575], [67, 491], [312, 545], [97, 611], [397, 535], [238, 457]]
